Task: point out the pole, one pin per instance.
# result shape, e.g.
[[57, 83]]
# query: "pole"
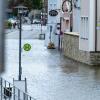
[[41, 20], [50, 33], [59, 35], [41, 24], [20, 35]]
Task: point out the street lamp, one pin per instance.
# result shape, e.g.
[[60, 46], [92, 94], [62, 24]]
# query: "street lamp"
[[20, 13], [41, 20], [20, 37]]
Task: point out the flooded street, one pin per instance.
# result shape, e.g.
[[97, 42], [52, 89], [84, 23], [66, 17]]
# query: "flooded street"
[[50, 75]]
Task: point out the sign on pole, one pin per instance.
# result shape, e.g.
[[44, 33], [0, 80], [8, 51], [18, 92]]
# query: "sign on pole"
[[27, 47]]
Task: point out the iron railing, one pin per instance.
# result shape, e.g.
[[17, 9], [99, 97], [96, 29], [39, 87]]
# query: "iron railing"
[[9, 92]]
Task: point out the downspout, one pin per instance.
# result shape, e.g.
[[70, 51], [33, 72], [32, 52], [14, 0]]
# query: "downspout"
[[95, 25]]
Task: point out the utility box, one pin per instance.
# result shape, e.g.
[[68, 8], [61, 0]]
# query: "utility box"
[[2, 14]]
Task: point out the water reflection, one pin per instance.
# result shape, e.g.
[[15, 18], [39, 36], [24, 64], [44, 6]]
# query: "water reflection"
[[96, 72], [70, 68]]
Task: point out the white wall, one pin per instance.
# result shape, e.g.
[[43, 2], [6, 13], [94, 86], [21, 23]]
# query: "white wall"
[[92, 25], [76, 18], [87, 34], [53, 20], [98, 25], [84, 23]]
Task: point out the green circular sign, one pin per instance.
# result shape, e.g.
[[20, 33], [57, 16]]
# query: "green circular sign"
[[27, 47]]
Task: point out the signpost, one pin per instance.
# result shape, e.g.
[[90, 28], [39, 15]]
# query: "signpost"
[[21, 84], [21, 10], [50, 33]]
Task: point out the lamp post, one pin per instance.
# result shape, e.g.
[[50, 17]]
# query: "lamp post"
[[41, 20], [42, 17], [20, 38], [20, 13]]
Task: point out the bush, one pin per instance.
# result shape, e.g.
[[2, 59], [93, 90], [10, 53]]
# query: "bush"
[[8, 24]]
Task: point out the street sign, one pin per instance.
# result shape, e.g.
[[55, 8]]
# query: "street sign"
[[53, 13], [27, 47]]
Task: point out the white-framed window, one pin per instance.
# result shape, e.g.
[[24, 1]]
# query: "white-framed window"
[[84, 27]]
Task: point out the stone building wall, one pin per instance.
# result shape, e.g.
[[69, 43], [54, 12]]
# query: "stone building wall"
[[71, 50]]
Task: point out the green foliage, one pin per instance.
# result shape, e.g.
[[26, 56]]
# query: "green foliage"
[[37, 4], [11, 4], [8, 24], [15, 13], [28, 3], [31, 4]]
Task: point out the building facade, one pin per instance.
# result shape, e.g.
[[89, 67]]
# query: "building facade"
[[52, 34], [65, 23], [83, 44]]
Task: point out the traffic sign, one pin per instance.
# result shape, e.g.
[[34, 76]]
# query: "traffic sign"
[[53, 13], [27, 47]]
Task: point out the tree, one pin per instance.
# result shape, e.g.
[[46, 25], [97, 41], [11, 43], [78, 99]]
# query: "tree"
[[28, 3], [10, 3], [37, 4], [31, 4]]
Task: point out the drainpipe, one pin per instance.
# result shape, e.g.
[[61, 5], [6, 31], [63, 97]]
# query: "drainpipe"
[[95, 25]]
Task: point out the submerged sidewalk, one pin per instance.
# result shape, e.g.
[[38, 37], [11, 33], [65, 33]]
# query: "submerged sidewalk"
[[50, 75]]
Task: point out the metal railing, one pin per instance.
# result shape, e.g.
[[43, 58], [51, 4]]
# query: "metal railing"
[[9, 92]]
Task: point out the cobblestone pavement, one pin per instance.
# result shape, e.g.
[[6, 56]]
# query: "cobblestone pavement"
[[50, 75]]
